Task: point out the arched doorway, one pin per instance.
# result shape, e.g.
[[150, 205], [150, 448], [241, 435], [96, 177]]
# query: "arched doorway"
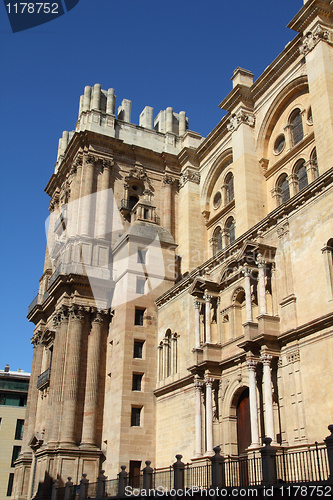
[[243, 422], [243, 435]]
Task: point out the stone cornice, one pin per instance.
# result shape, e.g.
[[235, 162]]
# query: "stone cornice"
[[306, 329], [240, 94], [270, 221], [308, 13], [177, 384], [214, 137], [280, 64]]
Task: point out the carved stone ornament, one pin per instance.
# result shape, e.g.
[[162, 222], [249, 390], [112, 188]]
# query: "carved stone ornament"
[[77, 312], [236, 119], [311, 39], [252, 364], [91, 159], [168, 179], [99, 317], [283, 229], [188, 176], [293, 356]]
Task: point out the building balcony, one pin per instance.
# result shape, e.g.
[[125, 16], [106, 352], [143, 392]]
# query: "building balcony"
[[43, 379]]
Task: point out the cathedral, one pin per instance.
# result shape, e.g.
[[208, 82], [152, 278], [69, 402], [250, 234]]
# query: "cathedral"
[[186, 299]]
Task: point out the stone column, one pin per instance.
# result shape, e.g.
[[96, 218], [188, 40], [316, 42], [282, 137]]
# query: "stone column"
[[208, 318], [174, 354], [73, 207], [248, 300], [71, 379], [167, 202], [311, 170], [91, 393], [209, 415], [33, 393], [198, 416], [293, 184], [266, 361], [251, 364], [166, 347], [197, 305], [60, 321], [86, 195], [104, 210], [262, 286]]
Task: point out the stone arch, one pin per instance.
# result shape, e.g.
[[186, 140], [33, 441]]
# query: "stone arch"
[[229, 410], [220, 164], [291, 91]]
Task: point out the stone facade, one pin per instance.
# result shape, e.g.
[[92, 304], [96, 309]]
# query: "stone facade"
[[186, 299]]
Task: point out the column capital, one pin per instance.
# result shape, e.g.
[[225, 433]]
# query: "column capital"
[[208, 381], [198, 383], [252, 364], [168, 180], [246, 270], [242, 116], [196, 304], [266, 359], [77, 312], [99, 316], [207, 297], [313, 37], [261, 261], [90, 159]]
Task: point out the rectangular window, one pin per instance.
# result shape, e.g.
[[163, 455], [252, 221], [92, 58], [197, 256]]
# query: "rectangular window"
[[138, 320], [142, 256], [19, 429], [138, 348], [12, 400], [140, 285], [137, 381], [15, 454], [136, 417], [10, 484]]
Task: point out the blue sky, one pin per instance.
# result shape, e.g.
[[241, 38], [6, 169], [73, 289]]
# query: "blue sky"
[[155, 53]]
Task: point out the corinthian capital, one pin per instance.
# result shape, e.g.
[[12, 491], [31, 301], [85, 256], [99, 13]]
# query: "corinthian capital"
[[168, 179], [266, 359], [311, 39], [77, 312], [242, 116]]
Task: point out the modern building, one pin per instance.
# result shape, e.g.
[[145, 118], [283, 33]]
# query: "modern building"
[[186, 299], [13, 401]]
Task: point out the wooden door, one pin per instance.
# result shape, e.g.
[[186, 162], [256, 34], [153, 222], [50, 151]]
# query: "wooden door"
[[243, 435], [134, 473]]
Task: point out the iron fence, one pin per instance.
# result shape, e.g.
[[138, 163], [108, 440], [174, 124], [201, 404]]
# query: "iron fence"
[[302, 466], [243, 471], [163, 478], [198, 475]]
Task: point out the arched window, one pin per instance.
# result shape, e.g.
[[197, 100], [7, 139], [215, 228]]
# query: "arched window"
[[302, 176], [217, 240], [296, 126], [283, 186], [229, 183], [230, 227]]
